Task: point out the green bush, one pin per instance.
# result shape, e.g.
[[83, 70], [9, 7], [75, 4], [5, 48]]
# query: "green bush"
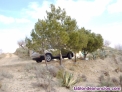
[[67, 79], [59, 74]]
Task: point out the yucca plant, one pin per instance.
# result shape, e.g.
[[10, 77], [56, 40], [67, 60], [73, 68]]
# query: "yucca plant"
[[68, 79]]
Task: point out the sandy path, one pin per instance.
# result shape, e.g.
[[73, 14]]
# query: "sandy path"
[[12, 59]]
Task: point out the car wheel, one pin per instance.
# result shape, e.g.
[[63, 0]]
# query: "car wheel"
[[37, 61], [48, 57], [70, 56]]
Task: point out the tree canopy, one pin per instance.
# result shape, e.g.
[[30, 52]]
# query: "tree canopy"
[[58, 30], [95, 41]]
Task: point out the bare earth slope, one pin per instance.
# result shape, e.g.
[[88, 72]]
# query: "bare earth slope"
[[13, 65], [21, 80]]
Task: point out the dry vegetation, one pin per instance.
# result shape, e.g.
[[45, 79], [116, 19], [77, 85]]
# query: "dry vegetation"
[[2, 55], [18, 75]]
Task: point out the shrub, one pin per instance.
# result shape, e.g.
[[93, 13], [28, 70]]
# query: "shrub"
[[2, 55], [4, 74], [115, 81], [120, 78], [29, 67], [68, 80], [22, 53], [53, 70], [83, 77], [59, 74], [101, 78], [107, 83], [106, 73], [120, 58], [44, 78], [71, 68]]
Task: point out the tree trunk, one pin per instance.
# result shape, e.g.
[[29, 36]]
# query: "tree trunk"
[[28, 51], [45, 59], [85, 56], [75, 58], [60, 58]]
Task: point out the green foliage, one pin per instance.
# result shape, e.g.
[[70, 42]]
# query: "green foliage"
[[100, 53], [60, 31], [95, 41], [77, 41], [59, 74], [68, 80], [57, 34], [103, 54], [74, 41]]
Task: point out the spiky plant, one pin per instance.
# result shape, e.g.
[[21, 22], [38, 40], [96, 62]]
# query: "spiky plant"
[[68, 80]]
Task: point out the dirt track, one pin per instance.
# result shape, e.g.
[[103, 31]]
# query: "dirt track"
[[12, 59]]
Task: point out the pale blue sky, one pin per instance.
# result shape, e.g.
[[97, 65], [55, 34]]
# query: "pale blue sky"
[[17, 18]]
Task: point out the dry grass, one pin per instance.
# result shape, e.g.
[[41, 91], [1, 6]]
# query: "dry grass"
[[101, 78], [53, 70], [120, 69], [44, 79], [22, 53], [120, 58], [120, 78], [2, 55], [84, 78], [106, 73], [106, 83], [72, 68], [60, 73], [0, 84], [115, 81], [5, 74], [29, 67]]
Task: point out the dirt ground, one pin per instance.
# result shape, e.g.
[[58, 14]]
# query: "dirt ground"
[[18, 78]]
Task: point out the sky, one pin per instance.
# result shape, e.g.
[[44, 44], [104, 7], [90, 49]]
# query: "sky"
[[18, 17]]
